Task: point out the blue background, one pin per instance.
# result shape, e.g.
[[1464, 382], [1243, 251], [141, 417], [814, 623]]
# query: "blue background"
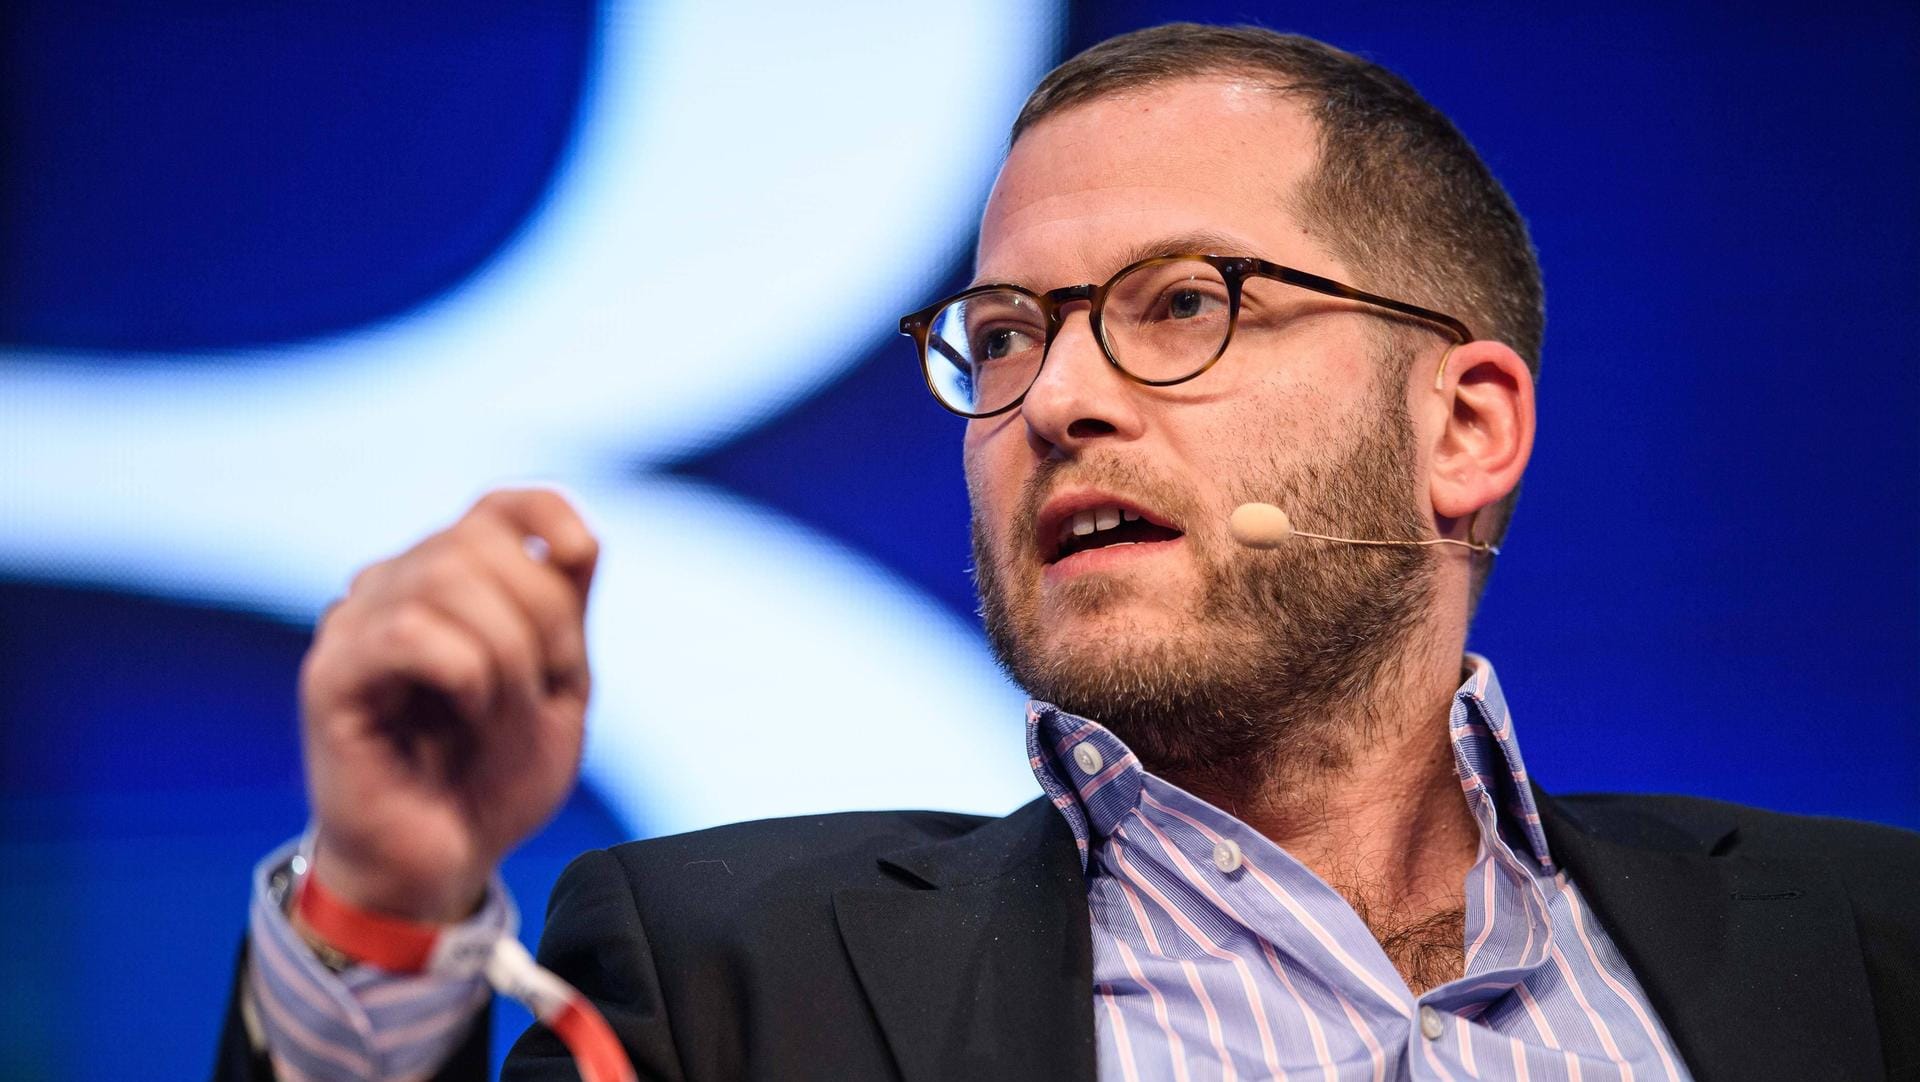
[[1711, 585]]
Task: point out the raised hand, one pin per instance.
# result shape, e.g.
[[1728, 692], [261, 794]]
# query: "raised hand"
[[443, 703]]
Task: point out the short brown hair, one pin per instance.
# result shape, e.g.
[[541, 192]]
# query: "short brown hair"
[[1401, 195]]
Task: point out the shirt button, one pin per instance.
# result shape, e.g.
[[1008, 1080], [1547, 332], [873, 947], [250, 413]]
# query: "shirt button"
[[1430, 1025], [1088, 757], [1226, 856]]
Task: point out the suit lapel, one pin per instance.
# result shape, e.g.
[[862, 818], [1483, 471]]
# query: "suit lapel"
[[1752, 964], [979, 965]]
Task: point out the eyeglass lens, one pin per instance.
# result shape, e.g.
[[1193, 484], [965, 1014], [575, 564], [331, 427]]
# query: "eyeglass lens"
[[1160, 321]]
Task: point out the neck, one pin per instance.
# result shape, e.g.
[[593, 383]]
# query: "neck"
[[1370, 801]]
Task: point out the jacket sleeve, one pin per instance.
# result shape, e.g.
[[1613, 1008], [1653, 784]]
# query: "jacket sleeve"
[[594, 940]]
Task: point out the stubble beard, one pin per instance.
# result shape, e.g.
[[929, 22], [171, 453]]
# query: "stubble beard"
[[1286, 651]]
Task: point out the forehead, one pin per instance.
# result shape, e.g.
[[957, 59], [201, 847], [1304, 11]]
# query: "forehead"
[[1088, 187]]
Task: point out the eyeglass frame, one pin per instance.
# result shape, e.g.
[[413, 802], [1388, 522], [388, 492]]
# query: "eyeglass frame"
[[1234, 270]]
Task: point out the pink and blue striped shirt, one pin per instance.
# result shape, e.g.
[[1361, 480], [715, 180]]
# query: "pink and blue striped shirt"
[[1216, 955]]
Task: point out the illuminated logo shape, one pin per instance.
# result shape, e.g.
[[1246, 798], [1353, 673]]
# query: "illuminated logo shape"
[[743, 664]]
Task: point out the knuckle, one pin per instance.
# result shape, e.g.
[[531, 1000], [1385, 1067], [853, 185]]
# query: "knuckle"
[[543, 498], [329, 617], [467, 676], [331, 636], [511, 503], [494, 502], [408, 626], [519, 654], [550, 509], [436, 573], [316, 665], [365, 580]]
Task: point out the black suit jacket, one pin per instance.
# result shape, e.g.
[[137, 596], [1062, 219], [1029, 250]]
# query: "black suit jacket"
[[924, 946]]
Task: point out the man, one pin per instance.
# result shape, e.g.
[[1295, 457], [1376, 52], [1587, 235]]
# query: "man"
[[1288, 829]]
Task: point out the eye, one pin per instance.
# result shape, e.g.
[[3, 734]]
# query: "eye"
[[994, 343], [1191, 302]]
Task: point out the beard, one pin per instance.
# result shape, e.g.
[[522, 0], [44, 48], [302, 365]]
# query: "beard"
[[1285, 650]]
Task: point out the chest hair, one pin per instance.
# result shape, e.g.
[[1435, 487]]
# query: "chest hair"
[[1429, 949]]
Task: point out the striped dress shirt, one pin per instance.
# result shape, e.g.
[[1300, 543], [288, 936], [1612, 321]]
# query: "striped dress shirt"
[[1216, 955]]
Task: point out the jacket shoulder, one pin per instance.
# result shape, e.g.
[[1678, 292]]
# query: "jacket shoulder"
[[1875, 864], [1723, 827], [827, 847], [760, 877]]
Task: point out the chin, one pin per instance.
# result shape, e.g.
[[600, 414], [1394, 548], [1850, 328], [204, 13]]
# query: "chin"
[[1112, 647], [1105, 638]]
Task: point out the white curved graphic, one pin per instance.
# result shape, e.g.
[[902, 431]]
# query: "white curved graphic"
[[743, 665]]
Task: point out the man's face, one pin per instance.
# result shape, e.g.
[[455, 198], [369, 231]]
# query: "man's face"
[[1188, 644]]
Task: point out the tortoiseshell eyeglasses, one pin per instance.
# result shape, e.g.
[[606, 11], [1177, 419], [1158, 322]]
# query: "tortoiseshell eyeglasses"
[[1160, 321]]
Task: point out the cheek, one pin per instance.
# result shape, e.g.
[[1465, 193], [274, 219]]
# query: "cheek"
[[991, 488], [1279, 417], [993, 455], [1256, 451], [974, 468]]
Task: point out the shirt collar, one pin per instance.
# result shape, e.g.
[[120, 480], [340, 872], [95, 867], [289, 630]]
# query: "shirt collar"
[[1094, 780]]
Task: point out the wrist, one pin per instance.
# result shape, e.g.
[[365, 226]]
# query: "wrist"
[[342, 934], [438, 900]]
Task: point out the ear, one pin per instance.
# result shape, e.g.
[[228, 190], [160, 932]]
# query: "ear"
[[1483, 442]]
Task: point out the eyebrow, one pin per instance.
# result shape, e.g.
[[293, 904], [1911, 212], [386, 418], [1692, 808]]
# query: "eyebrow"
[[1206, 241]]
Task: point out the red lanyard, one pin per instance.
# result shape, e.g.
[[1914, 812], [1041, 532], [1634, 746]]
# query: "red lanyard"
[[404, 946]]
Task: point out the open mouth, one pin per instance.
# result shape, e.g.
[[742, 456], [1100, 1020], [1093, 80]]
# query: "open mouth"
[[1107, 527]]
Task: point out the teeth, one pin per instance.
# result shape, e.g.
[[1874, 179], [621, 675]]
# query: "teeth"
[[1086, 523]]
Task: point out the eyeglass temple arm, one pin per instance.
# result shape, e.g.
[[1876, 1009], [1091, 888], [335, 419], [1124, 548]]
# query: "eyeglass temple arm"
[[1440, 373], [939, 345]]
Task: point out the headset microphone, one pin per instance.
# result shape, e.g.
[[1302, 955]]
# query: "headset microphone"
[[1264, 526]]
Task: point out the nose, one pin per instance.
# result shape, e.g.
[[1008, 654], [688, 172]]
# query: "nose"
[[1079, 397]]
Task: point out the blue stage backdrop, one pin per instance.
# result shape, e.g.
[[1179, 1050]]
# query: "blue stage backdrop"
[[283, 287]]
